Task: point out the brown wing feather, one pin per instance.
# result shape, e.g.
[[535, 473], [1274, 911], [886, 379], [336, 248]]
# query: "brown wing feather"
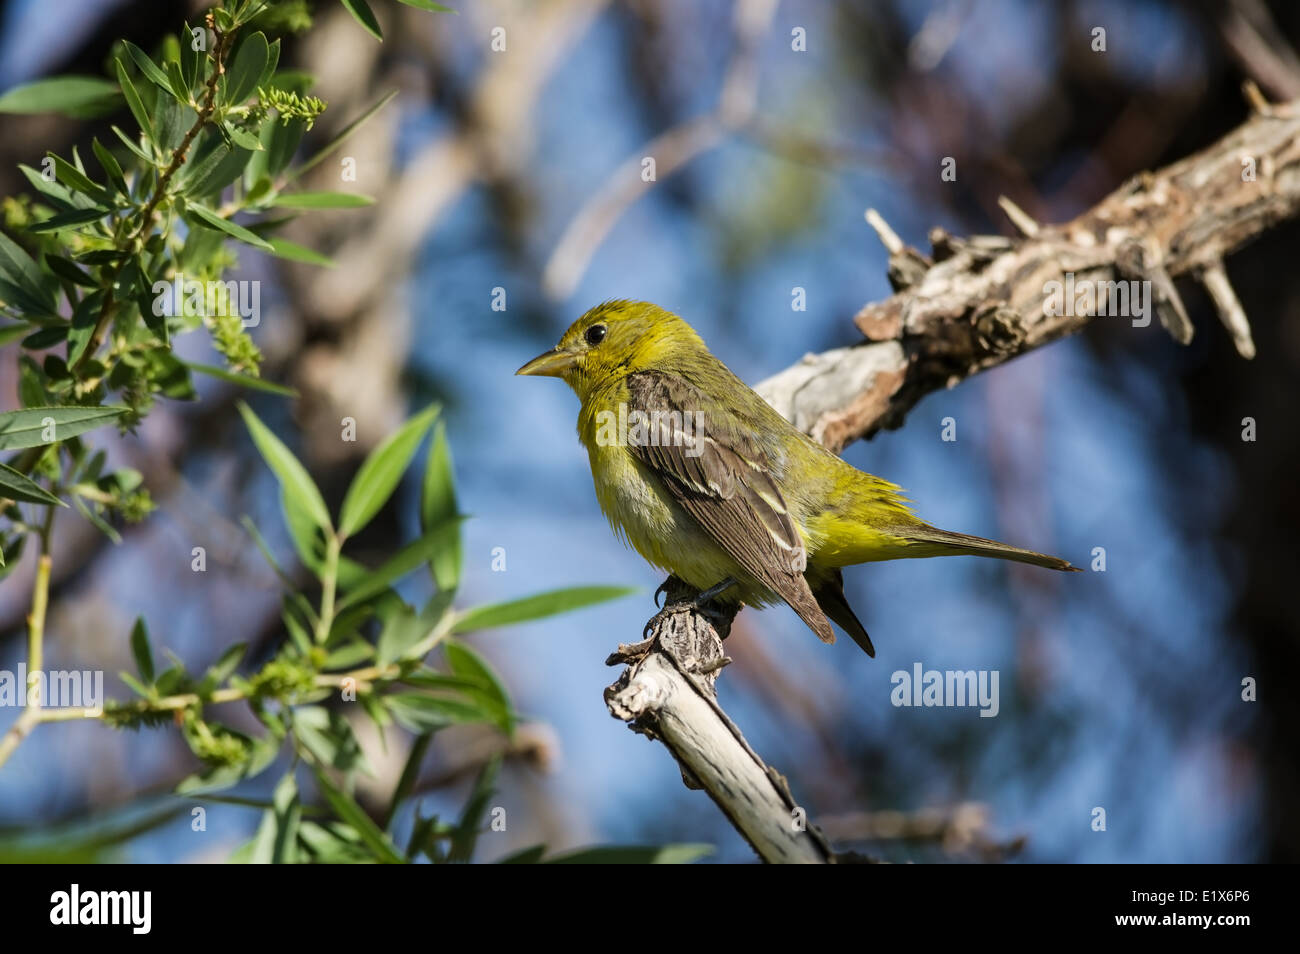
[[725, 483]]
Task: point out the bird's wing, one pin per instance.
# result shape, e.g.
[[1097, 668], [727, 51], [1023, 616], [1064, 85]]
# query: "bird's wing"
[[721, 477]]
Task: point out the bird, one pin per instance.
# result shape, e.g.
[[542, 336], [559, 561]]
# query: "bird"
[[705, 480]]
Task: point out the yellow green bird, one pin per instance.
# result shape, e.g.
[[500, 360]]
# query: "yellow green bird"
[[708, 482]]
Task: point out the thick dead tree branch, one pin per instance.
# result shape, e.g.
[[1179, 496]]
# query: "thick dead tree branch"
[[977, 302], [667, 693], [971, 305]]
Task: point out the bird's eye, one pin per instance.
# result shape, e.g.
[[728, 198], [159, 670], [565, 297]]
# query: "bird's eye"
[[595, 334]]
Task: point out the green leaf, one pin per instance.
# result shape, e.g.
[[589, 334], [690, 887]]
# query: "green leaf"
[[18, 268], [133, 100], [84, 319], [321, 200], [170, 120], [241, 137], [74, 178], [381, 472], [27, 427], [133, 146], [176, 80], [243, 380], [112, 168], [148, 67], [362, 13], [246, 71], [489, 692], [262, 753], [405, 630], [80, 97], [141, 651], [210, 217], [283, 248], [380, 845], [293, 477], [342, 135], [191, 59], [68, 220], [330, 739], [57, 194], [410, 557], [438, 507], [418, 712], [537, 607], [634, 855], [276, 841], [17, 486], [464, 836], [427, 5], [68, 271], [222, 669], [216, 168], [282, 144]]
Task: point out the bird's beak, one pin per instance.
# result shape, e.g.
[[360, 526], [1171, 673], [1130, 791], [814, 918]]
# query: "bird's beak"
[[551, 364]]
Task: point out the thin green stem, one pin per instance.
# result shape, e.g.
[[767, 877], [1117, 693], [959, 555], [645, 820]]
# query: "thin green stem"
[[32, 715], [329, 582]]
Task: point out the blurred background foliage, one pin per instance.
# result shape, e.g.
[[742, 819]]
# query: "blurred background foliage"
[[1120, 689]]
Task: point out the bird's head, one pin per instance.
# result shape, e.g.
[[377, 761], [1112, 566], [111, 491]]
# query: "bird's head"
[[614, 339]]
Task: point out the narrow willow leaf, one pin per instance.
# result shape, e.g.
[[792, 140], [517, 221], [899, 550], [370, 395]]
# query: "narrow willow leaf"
[[321, 200], [112, 168], [489, 692], [34, 426], [17, 486], [176, 80], [74, 178], [381, 472], [362, 13], [293, 477], [283, 248], [246, 71], [222, 669], [329, 737], [411, 557], [133, 100], [427, 5], [148, 67], [63, 199], [69, 220], [210, 217], [537, 607], [79, 97], [418, 712], [141, 651], [243, 380], [19, 269], [438, 507], [347, 809]]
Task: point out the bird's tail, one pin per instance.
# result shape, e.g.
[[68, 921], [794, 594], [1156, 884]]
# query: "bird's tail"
[[936, 542]]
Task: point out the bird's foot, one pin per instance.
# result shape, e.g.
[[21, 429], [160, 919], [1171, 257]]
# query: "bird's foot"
[[702, 603]]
